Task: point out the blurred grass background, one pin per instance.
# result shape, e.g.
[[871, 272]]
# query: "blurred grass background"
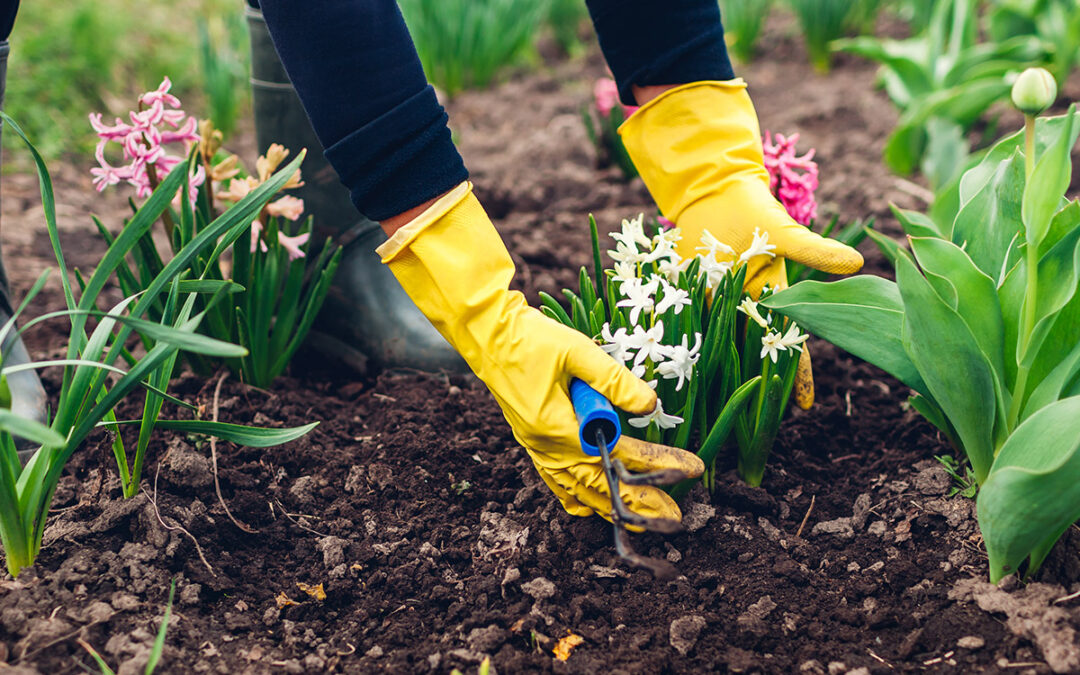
[[80, 56]]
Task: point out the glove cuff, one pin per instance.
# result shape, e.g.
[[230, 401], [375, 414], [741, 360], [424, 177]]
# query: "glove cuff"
[[404, 236]]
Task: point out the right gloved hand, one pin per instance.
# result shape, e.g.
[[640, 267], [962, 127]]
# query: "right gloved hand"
[[452, 263]]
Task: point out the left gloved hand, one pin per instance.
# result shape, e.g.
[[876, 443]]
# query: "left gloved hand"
[[698, 149], [452, 263]]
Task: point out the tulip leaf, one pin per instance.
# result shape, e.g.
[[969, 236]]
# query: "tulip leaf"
[[988, 223], [1058, 362], [949, 359], [975, 297], [1049, 181], [916, 224], [863, 315], [1033, 492], [1058, 276]]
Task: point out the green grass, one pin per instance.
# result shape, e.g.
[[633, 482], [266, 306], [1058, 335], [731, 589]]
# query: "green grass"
[[72, 58]]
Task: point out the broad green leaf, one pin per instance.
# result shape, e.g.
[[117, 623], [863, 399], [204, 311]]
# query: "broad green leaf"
[[889, 247], [254, 437], [1058, 361], [863, 315], [946, 150], [989, 221], [1049, 181], [1033, 492], [949, 360], [975, 296], [916, 224], [1011, 300], [1064, 221], [1059, 273]]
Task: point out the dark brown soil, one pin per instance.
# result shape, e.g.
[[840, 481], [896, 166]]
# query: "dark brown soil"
[[433, 539]]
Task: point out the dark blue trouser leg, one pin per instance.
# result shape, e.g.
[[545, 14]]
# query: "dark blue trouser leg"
[[649, 42]]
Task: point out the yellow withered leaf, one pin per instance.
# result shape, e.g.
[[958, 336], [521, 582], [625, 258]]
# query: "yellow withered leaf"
[[316, 591], [283, 600], [566, 645]]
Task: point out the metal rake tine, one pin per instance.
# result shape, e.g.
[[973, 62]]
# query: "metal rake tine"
[[661, 569]]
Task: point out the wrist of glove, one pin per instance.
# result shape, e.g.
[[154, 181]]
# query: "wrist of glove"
[[452, 263]]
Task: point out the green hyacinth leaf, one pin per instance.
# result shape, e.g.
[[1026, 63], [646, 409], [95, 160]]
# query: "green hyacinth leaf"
[[1033, 492]]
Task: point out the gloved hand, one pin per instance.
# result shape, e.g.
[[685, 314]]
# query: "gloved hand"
[[698, 149], [452, 263]]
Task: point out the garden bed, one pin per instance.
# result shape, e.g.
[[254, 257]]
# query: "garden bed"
[[431, 534]]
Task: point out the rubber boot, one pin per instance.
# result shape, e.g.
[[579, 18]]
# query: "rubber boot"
[[367, 315], [27, 394]]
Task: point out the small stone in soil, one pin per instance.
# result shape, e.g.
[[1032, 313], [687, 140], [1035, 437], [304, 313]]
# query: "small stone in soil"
[[841, 527], [697, 516], [539, 588], [971, 642], [684, 632]]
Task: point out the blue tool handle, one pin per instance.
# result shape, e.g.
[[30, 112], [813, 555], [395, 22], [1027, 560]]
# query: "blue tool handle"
[[593, 412]]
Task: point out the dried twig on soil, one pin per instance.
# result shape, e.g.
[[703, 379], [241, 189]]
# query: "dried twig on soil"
[[213, 458], [805, 518], [915, 190], [297, 522], [1066, 598], [178, 526]]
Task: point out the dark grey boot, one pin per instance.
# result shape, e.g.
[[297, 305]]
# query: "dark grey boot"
[[27, 394], [367, 314]]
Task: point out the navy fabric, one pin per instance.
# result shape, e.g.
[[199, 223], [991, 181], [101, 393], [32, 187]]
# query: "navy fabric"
[[360, 80], [647, 42], [356, 70], [8, 9]]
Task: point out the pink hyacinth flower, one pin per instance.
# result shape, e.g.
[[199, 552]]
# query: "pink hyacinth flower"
[[286, 207], [256, 239], [792, 179], [143, 143], [606, 94], [293, 244]]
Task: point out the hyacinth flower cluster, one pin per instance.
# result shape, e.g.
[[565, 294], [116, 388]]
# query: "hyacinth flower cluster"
[[793, 180], [276, 290], [602, 123], [156, 123], [722, 368]]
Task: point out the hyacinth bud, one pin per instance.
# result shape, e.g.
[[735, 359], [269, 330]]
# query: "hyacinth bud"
[[1034, 91]]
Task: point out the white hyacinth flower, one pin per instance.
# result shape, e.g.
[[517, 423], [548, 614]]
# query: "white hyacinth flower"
[[618, 344], [638, 296], [793, 339], [671, 266], [633, 233], [681, 361], [624, 272], [648, 344], [674, 297], [772, 344], [759, 246], [627, 253], [749, 308], [662, 419], [714, 247], [714, 269]]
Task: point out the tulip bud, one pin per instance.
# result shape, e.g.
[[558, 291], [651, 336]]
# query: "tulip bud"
[[1034, 91]]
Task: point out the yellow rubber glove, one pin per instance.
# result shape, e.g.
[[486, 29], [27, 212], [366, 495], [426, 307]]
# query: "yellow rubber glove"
[[698, 149], [452, 263]]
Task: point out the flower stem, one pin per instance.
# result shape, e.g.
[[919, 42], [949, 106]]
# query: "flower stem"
[[166, 216], [1027, 325]]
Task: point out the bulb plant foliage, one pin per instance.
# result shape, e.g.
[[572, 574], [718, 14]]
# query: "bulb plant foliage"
[[602, 124], [943, 80], [743, 21], [276, 289], [822, 21], [982, 324], [1056, 23], [93, 383], [719, 366]]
